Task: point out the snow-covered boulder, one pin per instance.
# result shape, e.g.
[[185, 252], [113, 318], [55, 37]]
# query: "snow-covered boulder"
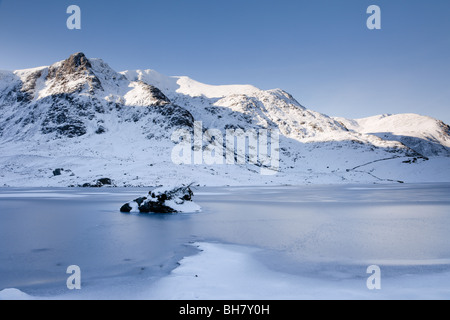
[[99, 183], [164, 200]]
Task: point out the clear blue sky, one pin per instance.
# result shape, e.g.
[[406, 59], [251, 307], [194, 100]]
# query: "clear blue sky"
[[318, 50]]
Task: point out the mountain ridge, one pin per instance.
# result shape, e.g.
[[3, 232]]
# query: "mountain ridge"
[[81, 115]]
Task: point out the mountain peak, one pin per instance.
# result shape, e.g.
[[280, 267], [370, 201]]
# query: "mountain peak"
[[70, 75], [77, 60], [76, 63]]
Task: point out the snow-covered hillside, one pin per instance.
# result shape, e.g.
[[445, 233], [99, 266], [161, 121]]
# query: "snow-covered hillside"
[[92, 122], [425, 135]]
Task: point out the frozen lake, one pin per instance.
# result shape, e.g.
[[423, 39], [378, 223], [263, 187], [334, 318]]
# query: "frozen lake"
[[295, 242]]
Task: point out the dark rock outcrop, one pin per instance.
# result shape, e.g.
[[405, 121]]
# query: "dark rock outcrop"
[[105, 181], [162, 200], [76, 67], [98, 184], [57, 172]]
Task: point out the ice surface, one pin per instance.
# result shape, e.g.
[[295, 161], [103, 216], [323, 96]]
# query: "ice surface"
[[258, 243], [227, 272]]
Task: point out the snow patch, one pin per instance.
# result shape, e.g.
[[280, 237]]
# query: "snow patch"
[[230, 272]]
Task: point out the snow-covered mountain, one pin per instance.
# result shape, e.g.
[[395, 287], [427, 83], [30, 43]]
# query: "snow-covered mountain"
[[78, 121], [425, 135]]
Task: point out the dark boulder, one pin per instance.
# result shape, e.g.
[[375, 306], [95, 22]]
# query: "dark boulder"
[[100, 130], [164, 200], [126, 208], [155, 207], [104, 181], [57, 172], [98, 183], [139, 201]]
